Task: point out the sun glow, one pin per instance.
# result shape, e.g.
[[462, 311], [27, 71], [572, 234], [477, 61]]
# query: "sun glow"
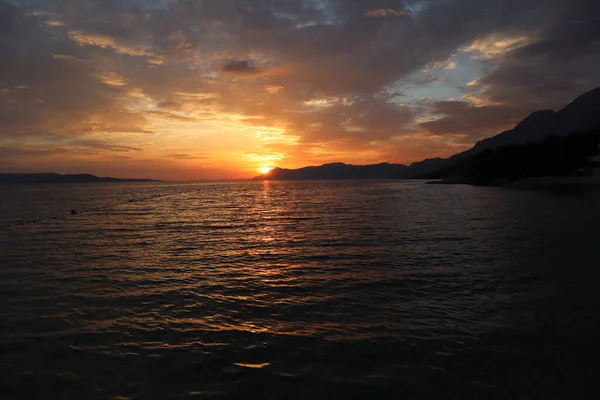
[[265, 170]]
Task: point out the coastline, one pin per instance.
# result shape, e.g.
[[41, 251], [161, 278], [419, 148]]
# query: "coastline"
[[534, 182], [550, 182]]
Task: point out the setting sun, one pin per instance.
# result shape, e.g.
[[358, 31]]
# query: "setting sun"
[[264, 170]]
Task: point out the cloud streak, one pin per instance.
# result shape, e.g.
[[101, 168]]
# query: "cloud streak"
[[384, 13]]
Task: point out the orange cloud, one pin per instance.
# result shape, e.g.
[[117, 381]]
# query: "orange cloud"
[[86, 39], [111, 79], [384, 12], [494, 45], [273, 89]]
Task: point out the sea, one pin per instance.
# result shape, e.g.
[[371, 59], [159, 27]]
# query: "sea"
[[298, 290]]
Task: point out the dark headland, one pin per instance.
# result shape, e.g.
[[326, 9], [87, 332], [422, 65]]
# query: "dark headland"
[[60, 178], [547, 143]]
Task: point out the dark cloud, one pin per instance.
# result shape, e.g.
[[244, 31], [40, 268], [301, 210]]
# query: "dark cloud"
[[242, 67], [464, 119], [62, 93], [17, 152], [557, 63], [77, 147]]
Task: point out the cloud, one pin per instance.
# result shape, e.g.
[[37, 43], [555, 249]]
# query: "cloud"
[[462, 118], [354, 122], [20, 152], [494, 45], [242, 67], [384, 13], [86, 39], [66, 95], [549, 68], [105, 145], [185, 156]]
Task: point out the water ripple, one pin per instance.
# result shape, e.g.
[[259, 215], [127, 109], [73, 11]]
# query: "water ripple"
[[296, 290]]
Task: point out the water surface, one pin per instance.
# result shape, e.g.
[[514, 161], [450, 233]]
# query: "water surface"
[[345, 289]]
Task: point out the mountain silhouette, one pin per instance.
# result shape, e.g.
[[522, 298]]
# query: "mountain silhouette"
[[59, 178], [339, 171], [581, 114], [571, 156]]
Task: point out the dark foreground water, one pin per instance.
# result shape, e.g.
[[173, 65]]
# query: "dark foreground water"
[[298, 290]]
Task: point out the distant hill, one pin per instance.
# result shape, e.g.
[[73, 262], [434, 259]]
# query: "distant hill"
[[580, 115], [59, 178], [574, 155], [339, 171]]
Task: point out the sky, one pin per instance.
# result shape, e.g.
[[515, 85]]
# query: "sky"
[[211, 89]]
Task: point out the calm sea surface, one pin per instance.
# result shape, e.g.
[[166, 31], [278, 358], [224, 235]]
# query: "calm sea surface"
[[298, 290]]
